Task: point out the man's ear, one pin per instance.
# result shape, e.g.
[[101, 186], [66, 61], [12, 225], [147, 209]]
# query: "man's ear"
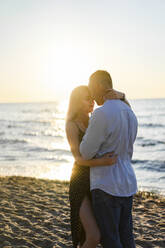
[[101, 89]]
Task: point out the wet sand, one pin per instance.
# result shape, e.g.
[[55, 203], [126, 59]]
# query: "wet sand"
[[35, 213]]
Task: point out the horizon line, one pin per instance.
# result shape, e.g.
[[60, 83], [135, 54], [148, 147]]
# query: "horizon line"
[[55, 101]]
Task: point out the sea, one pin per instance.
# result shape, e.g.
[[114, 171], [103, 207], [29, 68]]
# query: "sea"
[[33, 142]]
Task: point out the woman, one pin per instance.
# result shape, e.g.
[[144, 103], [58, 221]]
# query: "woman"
[[85, 231]]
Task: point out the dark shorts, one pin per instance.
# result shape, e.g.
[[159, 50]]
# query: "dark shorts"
[[114, 218]]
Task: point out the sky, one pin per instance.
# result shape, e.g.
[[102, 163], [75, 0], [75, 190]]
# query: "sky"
[[48, 47]]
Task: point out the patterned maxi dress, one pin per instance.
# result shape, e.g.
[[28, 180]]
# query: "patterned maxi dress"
[[79, 188]]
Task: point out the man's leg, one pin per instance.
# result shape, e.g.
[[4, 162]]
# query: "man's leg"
[[107, 211], [126, 226]]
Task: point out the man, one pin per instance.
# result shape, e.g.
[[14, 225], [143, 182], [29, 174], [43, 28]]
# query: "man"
[[112, 127]]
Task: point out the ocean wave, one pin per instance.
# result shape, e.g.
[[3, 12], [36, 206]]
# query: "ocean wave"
[[12, 141], [52, 135], [31, 134], [153, 143], [57, 151], [137, 161], [36, 122], [43, 134], [29, 111], [151, 125], [55, 160], [139, 138], [152, 165], [46, 110], [14, 126], [7, 158], [23, 122], [148, 142], [162, 178]]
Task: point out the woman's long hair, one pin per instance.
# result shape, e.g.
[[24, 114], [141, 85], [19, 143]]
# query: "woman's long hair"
[[75, 102]]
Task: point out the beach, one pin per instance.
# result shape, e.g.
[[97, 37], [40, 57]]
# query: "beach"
[[35, 213]]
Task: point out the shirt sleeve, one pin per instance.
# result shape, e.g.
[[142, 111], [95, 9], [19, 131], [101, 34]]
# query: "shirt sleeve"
[[95, 135]]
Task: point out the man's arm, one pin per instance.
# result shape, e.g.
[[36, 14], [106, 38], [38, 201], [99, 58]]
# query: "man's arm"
[[95, 135], [73, 139]]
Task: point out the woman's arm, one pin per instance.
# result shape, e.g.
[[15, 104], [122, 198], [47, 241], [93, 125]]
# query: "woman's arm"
[[114, 94], [102, 161], [72, 133]]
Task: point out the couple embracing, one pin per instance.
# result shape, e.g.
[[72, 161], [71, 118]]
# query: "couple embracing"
[[103, 181]]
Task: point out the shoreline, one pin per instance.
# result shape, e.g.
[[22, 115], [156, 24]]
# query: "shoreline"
[[35, 213]]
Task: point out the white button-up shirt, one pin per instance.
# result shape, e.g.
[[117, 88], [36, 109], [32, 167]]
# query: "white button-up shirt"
[[112, 127]]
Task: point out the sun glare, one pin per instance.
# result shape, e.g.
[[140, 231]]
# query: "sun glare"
[[65, 70]]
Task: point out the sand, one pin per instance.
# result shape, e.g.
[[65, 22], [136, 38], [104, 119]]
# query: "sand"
[[35, 213]]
